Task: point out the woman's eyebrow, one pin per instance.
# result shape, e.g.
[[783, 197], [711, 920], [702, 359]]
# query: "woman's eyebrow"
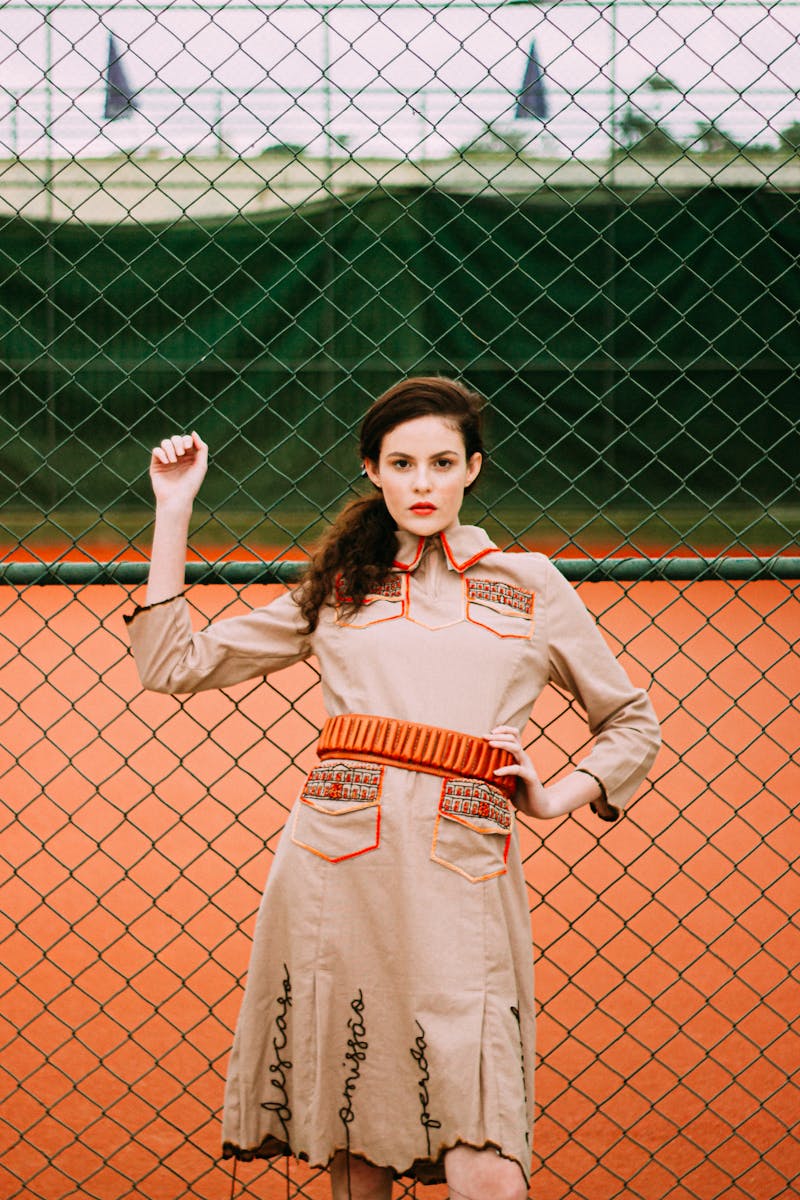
[[438, 454]]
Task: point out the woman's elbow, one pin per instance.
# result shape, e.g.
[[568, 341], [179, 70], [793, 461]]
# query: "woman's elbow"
[[639, 722], [652, 732], [157, 683], [154, 677]]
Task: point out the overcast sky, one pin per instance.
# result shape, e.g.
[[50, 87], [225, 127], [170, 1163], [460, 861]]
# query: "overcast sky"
[[402, 78]]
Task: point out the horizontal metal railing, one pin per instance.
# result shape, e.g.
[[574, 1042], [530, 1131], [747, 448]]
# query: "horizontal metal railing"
[[578, 570]]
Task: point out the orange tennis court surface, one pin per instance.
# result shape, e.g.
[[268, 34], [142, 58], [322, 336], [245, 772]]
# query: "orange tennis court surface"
[[136, 832]]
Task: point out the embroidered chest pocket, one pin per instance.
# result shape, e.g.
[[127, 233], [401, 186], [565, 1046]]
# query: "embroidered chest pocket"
[[502, 608], [473, 829], [338, 815], [388, 602]]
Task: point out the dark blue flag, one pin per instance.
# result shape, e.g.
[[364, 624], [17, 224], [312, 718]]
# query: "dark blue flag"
[[119, 93], [532, 101]]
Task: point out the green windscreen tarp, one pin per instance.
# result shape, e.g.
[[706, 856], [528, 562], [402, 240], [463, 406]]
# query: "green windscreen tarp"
[[634, 351]]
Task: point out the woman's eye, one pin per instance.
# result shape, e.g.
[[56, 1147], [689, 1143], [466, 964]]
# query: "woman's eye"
[[444, 463], [400, 463]]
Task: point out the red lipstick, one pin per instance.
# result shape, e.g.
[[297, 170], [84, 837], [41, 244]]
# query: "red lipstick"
[[422, 508]]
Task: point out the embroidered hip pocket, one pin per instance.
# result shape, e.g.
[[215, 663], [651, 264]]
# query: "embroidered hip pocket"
[[473, 829], [503, 609], [338, 814]]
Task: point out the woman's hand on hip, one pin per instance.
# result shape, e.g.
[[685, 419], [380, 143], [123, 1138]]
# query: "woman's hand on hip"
[[530, 797], [533, 798]]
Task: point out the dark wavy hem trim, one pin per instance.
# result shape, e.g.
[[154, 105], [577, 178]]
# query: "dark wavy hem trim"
[[140, 608], [422, 1170], [271, 1147]]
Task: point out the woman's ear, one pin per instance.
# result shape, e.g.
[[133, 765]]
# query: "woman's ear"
[[474, 468], [371, 471]]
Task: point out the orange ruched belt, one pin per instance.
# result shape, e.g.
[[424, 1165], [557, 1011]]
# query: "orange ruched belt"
[[417, 747]]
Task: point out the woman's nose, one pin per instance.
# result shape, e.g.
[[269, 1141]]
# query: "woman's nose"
[[422, 481]]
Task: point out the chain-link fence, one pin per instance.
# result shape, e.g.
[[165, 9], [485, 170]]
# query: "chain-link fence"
[[250, 218]]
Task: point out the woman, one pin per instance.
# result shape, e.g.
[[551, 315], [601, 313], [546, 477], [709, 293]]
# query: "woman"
[[387, 1023]]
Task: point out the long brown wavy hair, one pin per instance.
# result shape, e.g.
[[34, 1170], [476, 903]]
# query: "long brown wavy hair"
[[356, 554]]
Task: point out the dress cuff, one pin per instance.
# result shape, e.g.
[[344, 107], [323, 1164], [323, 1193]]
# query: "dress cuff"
[[141, 608], [604, 810]]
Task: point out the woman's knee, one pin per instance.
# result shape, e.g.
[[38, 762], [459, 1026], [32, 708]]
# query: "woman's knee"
[[483, 1175]]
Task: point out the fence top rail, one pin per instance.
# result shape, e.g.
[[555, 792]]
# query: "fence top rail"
[[579, 570]]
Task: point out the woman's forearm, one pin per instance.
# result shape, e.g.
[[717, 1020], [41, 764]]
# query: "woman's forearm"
[[563, 796], [168, 558], [532, 797], [177, 468]]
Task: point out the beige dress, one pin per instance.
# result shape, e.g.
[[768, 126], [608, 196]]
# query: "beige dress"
[[389, 1003]]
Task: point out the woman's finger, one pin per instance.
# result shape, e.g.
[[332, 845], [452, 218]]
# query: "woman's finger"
[[507, 743], [178, 446], [169, 450], [181, 442]]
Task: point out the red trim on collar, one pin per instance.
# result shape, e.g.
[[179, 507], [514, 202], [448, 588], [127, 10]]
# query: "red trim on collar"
[[461, 567], [401, 566]]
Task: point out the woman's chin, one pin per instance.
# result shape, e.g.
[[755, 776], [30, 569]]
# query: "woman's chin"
[[423, 524]]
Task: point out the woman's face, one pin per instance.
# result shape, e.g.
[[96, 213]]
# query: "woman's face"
[[422, 472]]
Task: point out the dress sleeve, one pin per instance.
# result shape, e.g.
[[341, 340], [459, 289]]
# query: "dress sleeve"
[[620, 716], [171, 657]]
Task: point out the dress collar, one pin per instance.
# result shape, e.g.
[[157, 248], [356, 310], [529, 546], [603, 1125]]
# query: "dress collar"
[[461, 547]]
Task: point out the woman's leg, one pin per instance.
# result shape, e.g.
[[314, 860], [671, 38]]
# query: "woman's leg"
[[365, 1182], [483, 1175]]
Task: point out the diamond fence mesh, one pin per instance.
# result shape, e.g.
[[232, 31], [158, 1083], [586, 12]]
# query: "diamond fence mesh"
[[250, 218]]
